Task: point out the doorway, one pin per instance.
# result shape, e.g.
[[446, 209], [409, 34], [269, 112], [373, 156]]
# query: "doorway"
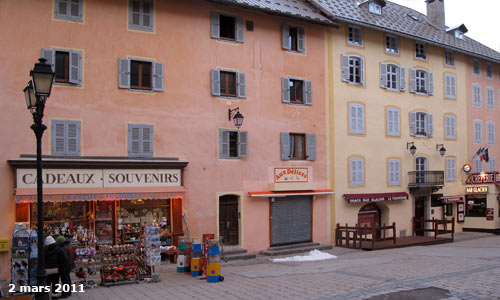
[[370, 216], [419, 215], [229, 220]]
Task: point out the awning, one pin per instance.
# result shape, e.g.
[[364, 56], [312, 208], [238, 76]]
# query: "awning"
[[290, 193], [451, 199], [378, 197]]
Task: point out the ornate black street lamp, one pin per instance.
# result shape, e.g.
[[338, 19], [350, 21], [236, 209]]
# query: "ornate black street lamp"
[[36, 93], [236, 116]]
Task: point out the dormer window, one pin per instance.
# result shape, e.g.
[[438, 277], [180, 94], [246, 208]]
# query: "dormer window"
[[375, 8], [459, 34]]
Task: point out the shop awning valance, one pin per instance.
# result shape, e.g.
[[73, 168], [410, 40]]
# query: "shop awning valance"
[[276, 194], [377, 197], [451, 199]]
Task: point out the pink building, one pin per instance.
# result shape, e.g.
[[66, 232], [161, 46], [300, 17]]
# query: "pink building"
[[138, 127]]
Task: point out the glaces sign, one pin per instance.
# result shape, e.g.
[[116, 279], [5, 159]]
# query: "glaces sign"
[[96, 178], [290, 175], [476, 190]]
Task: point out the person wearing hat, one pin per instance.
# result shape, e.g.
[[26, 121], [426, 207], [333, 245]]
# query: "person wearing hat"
[[56, 262], [62, 242]]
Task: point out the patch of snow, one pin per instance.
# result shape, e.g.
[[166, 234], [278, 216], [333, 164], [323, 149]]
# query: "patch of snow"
[[313, 255]]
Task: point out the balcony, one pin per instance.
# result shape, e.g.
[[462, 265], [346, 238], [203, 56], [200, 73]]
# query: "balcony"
[[432, 180]]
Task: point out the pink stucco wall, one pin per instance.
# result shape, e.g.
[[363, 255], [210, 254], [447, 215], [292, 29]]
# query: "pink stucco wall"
[[185, 116]]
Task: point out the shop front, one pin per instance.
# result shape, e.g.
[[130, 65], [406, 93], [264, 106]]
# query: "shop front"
[[482, 202]]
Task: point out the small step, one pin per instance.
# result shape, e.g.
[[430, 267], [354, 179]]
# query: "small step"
[[243, 256], [298, 248], [235, 253], [293, 246]]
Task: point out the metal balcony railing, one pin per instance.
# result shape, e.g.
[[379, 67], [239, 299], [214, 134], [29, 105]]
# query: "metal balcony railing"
[[425, 178]]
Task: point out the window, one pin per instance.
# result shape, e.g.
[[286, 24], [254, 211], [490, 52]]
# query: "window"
[[478, 132], [139, 74], [451, 169], [421, 124], [356, 172], [140, 15], [391, 44], [140, 140], [459, 34], [489, 70], [233, 143], [492, 165], [292, 38], [476, 67], [420, 167], [476, 95], [476, 207], [375, 8], [353, 69], [420, 50], [356, 118], [392, 77], [490, 132], [393, 121], [449, 58], [71, 10], [450, 127], [490, 97], [354, 35], [65, 138], [450, 86], [296, 91], [228, 83], [226, 27], [478, 165], [67, 64], [394, 170], [421, 82], [298, 146]]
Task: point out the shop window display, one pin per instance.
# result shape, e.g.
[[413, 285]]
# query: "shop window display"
[[475, 207], [104, 222], [60, 217]]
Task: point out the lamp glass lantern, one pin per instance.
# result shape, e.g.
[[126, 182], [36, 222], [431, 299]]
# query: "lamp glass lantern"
[[43, 77], [238, 120], [29, 94]]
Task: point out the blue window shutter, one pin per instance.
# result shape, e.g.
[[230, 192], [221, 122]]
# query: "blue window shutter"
[[344, 62], [58, 137], [241, 85], [65, 137], [430, 83], [49, 56], [285, 90], [147, 141], [243, 144], [72, 138], [430, 126], [215, 82], [240, 30], [413, 123], [285, 33], [310, 146], [402, 78], [362, 69], [134, 140], [214, 25], [413, 80], [75, 67], [383, 75], [223, 143], [301, 40], [285, 146], [308, 97], [157, 76], [124, 73]]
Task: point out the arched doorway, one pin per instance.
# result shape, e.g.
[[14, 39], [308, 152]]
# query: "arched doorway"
[[370, 216], [229, 220]]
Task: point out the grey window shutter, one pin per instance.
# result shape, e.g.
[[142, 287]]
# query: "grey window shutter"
[[157, 76], [49, 56], [75, 62], [147, 14], [285, 90], [73, 138], [285, 146], [243, 144], [301, 40], [362, 69], [453, 87], [398, 76], [214, 25], [383, 75], [285, 33], [402, 78], [413, 80], [413, 123], [344, 59], [147, 140], [58, 138], [396, 120], [223, 143], [124, 73], [215, 82], [310, 146], [308, 93], [430, 126], [241, 85], [240, 29], [453, 127], [430, 83], [134, 140]]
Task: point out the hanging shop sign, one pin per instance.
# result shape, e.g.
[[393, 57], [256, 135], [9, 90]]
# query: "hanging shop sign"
[[100, 178], [451, 199], [366, 198], [490, 212], [476, 190], [282, 175], [483, 178]]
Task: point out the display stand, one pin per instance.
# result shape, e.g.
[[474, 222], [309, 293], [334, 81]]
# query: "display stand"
[[152, 256], [24, 257], [85, 256], [119, 264]]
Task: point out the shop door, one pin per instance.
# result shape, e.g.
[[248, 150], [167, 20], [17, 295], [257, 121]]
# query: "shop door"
[[419, 215], [229, 220], [370, 216], [291, 220]]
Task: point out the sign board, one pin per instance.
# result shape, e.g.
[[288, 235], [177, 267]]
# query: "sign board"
[[367, 198], [483, 178], [99, 178], [287, 175], [490, 214], [99, 197], [476, 190]]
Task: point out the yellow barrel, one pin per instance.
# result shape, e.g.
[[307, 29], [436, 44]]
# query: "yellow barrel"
[[195, 267]]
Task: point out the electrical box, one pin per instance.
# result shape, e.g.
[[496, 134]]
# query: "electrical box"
[[4, 245]]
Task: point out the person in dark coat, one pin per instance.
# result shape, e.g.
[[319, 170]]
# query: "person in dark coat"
[[65, 277], [56, 262]]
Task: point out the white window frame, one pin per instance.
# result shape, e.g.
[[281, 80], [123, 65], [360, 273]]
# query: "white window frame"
[[449, 58], [393, 121], [476, 95], [450, 86], [420, 50], [355, 71], [451, 168], [421, 82], [391, 44], [478, 131], [476, 64], [450, 127], [356, 122], [490, 97], [459, 34], [375, 8], [490, 132], [357, 174], [424, 121], [355, 35], [394, 172]]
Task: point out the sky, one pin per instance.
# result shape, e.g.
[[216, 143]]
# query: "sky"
[[481, 17]]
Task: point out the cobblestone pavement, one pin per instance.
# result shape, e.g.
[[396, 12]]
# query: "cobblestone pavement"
[[467, 269]]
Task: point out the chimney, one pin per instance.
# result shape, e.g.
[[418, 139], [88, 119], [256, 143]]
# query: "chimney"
[[435, 13]]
